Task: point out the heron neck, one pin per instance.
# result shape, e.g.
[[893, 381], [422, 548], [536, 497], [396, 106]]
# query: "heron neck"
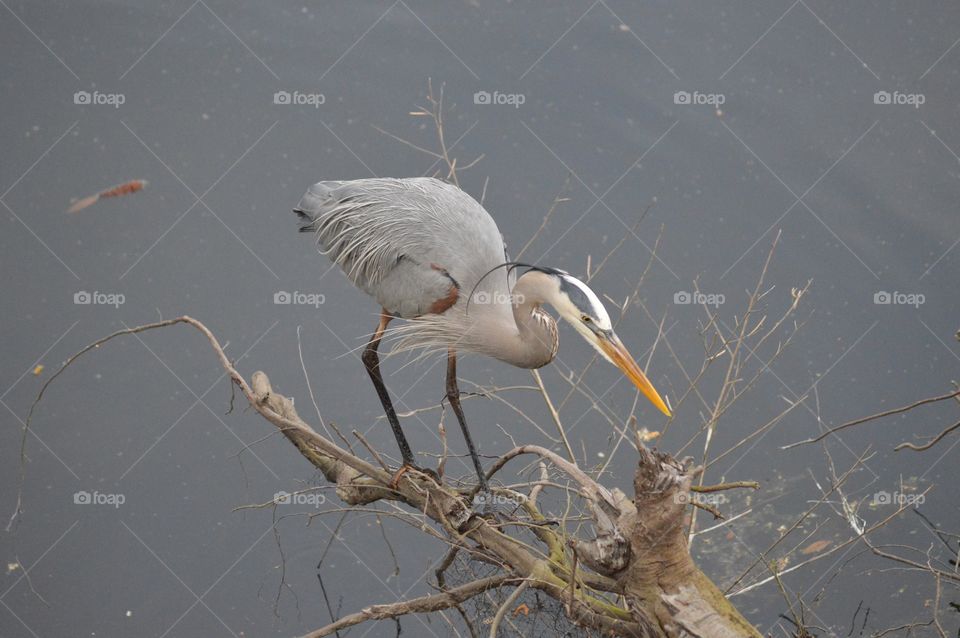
[[536, 338]]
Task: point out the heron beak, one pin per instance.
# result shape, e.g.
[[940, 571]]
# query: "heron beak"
[[620, 357]]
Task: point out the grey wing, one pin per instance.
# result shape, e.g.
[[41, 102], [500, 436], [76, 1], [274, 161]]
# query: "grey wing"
[[413, 244]]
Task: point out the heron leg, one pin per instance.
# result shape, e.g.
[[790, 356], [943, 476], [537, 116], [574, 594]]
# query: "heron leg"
[[453, 397], [371, 359]]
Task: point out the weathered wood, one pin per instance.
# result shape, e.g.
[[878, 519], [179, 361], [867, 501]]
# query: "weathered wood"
[[640, 551]]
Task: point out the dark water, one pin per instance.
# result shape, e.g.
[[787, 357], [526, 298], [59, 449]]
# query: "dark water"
[[865, 195]]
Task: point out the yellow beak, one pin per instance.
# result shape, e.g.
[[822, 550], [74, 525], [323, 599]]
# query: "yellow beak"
[[621, 358]]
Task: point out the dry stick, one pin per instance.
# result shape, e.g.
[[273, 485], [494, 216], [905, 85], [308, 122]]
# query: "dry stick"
[[781, 348], [936, 603], [325, 446], [799, 521], [733, 369], [449, 622], [313, 399], [442, 465], [568, 467], [519, 412], [435, 112], [386, 541], [408, 143], [558, 198], [693, 384], [909, 627], [632, 233], [26, 426], [438, 124], [482, 393], [927, 446], [879, 415], [553, 413], [573, 575], [512, 598], [596, 403], [724, 522], [372, 451], [849, 541], [733, 485], [416, 490], [906, 561], [706, 507], [849, 512], [424, 604], [757, 432]]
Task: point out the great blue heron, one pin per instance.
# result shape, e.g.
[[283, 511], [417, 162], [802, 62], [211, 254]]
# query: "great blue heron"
[[429, 253]]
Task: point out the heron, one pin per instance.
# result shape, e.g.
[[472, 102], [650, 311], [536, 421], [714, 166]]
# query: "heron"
[[431, 255]]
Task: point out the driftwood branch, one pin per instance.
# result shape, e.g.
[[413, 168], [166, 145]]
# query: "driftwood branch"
[[423, 605], [635, 578]]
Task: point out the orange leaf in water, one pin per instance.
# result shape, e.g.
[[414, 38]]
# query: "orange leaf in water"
[[815, 547]]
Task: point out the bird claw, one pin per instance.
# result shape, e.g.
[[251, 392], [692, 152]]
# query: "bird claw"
[[409, 467]]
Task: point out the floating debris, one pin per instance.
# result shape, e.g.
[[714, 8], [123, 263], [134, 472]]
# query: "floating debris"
[[126, 188], [815, 547], [38, 370]]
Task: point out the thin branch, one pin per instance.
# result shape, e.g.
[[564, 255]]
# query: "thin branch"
[[927, 446], [879, 415], [512, 598], [422, 605]]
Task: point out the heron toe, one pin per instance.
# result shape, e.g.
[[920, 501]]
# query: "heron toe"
[[409, 467]]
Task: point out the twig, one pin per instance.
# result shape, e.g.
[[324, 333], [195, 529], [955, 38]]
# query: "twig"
[[512, 598], [313, 399], [879, 415], [553, 413], [546, 218], [372, 451], [422, 605], [733, 485], [927, 446]]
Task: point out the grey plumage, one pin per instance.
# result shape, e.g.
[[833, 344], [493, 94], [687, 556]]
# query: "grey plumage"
[[405, 242], [424, 249]]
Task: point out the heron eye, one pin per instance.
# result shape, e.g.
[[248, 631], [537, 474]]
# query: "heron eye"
[[585, 319]]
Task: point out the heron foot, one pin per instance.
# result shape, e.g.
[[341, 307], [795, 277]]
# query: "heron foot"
[[410, 467]]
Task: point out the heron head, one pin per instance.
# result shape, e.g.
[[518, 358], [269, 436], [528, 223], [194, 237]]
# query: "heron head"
[[583, 310]]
